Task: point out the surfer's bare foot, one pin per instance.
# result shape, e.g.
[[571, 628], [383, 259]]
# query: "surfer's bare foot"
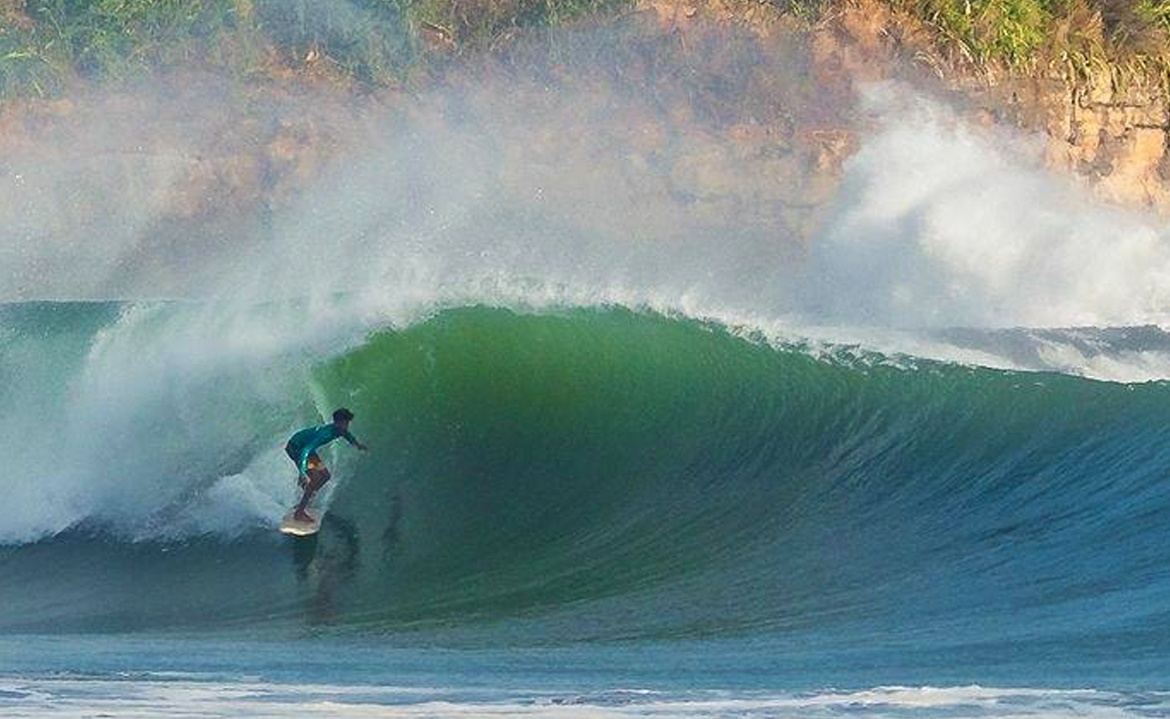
[[302, 516]]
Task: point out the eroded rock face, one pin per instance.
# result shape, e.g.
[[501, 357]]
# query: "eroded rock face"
[[1113, 139], [1116, 140], [720, 115], [12, 14], [683, 118], [641, 134]]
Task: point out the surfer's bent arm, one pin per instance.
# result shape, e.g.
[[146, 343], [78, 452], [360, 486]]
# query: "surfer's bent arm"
[[352, 440]]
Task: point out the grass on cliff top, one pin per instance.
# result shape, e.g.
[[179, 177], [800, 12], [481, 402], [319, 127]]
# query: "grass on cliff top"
[[1081, 36], [52, 39], [45, 45], [1127, 38]]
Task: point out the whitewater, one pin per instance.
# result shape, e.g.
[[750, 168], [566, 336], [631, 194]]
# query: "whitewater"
[[917, 468]]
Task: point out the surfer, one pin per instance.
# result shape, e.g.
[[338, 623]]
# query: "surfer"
[[302, 450]]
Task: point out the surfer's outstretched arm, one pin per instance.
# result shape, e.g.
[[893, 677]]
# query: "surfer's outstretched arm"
[[353, 440]]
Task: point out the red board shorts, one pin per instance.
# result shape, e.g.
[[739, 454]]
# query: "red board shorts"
[[294, 454]]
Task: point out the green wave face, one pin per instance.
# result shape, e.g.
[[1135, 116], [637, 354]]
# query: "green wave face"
[[609, 474], [534, 458]]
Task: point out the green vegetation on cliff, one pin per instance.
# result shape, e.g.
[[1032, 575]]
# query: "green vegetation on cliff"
[[45, 45], [1079, 35]]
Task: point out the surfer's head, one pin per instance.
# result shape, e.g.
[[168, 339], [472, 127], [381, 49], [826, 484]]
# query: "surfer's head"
[[341, 417]]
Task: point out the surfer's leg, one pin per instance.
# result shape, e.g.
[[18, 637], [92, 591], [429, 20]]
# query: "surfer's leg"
[[292, 455], [318, 476], [306, 497], [299, 512]]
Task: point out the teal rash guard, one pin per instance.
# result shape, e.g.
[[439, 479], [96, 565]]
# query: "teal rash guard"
[[307, 441]]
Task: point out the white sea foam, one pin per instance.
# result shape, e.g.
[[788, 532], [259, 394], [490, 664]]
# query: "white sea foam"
[[941, 224], [47, 698]]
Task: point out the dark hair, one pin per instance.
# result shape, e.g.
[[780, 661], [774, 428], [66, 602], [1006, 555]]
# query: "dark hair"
[[342, 415]]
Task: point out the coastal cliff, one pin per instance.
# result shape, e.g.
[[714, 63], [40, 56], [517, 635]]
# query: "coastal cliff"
[[669, 115], [1105, 125]]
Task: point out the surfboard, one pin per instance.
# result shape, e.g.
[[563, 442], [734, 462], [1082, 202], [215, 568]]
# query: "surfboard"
[[297, 528]]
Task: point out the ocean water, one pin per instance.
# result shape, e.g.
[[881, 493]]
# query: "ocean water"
[[587, 512], [917, 470]]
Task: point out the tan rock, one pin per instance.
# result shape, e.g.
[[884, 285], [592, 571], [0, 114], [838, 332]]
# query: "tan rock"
[[706, 173], [12, 14]]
